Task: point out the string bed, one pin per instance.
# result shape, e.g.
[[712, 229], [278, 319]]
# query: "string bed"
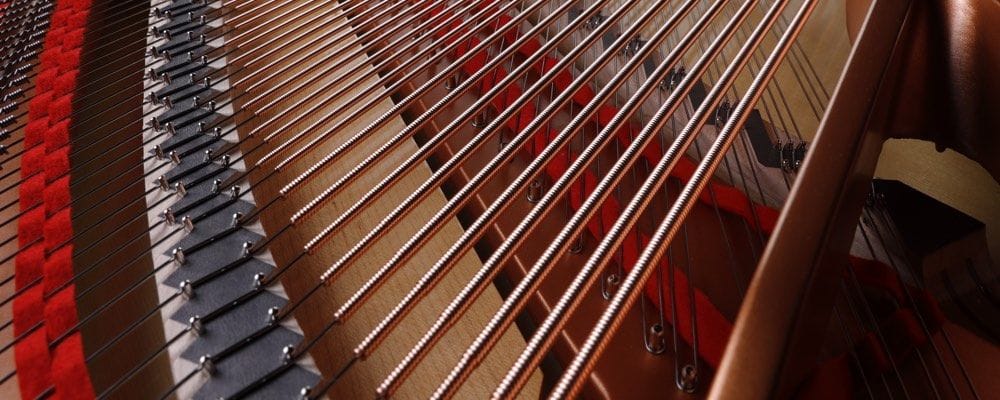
[[362, 198]]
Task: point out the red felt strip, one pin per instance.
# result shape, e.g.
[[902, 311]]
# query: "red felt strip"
[[45, 167]]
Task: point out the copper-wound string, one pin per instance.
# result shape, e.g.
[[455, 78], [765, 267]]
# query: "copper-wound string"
[[571, 381], [559, 187], [543, 336], [464, 194]]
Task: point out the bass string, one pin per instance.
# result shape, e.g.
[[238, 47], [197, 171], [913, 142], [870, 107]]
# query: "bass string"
[[570, 383]]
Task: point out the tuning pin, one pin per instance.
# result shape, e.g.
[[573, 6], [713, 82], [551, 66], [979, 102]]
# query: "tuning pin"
[[202, 38], [169, 126], [193, 78], [481, 120], [208, 155], [258, 280], [151, 74], [201, 126], [535, 191], [155, 123], [196, 326], [237, 218], [722, 113], [217, 131], [186, 290], [204, 59], [211, 105], [202, 19], [166, 35], [153, 99], [165, 77], [655, 342], [304, 392], [168, 215], [593, 22], [165, 54], [162, 183], [273, 313], [157, 12], [287, 353], [234, 192], [178, 256], [158, 152], [190, 15], [247, 249], [451, 82], [216, 185], [207, 365], [633, 46], [688, 379], [179, 189], [190, 56], [225, 160], [168, 103], [207, 82], [187, 223]]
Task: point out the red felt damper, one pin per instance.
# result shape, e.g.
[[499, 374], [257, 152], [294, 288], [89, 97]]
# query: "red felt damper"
[[61, 17], [38, 107], [58, 231], [57, 196], [58, 270], [57, 136], [56, 164], [32, 161], [69, 60], [31, 352], [80, 4], [66, 83], [60, 313], [31, 355], [30, 226], [69, 370], [61, 107], [31, 191], [49, 58], [29, 262], [34, 132], [78, 19], [74, 38], [45, 81], [55, 85], [54, 38], [28, 309]]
